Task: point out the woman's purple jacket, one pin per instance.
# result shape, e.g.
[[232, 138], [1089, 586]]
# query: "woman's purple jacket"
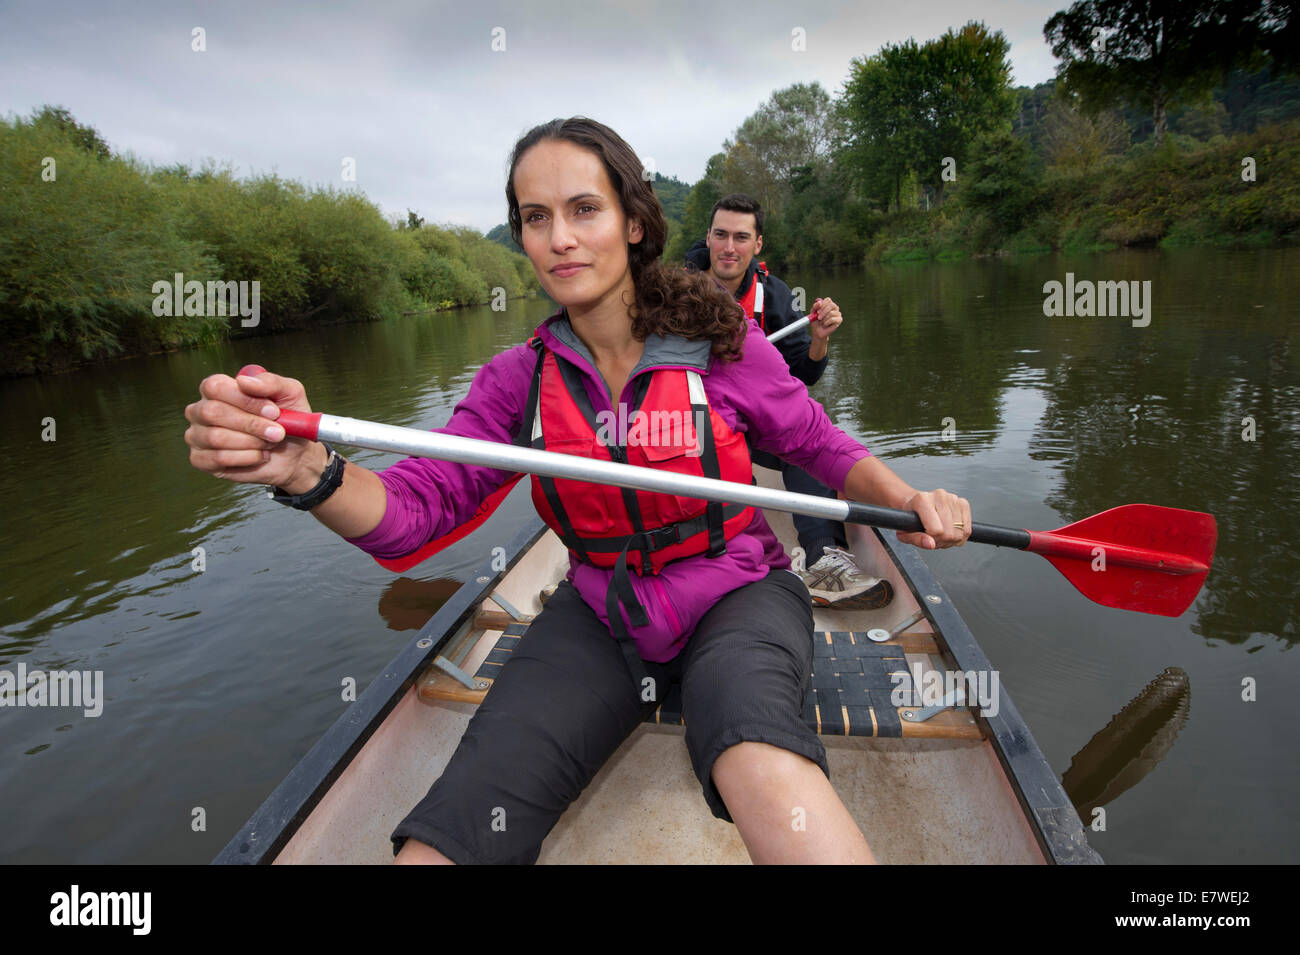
[[757, 394]]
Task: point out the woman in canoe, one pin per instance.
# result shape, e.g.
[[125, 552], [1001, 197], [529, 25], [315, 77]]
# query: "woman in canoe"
[[660, 588]]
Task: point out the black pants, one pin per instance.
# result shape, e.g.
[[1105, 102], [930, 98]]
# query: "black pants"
[[566, 701]]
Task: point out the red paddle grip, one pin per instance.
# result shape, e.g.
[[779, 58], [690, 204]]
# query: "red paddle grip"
[[299, 424], [296, 424]]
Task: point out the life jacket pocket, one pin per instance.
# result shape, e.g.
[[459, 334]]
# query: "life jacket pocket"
[[669, 508], [600, 502]]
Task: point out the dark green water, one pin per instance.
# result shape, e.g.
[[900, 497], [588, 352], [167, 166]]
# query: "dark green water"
[[217, 682]]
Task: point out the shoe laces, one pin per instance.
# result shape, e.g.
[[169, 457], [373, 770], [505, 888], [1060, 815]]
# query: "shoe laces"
[[840, 560]]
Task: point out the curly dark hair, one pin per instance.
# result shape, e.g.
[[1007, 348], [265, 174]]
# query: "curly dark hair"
[[669, 300]]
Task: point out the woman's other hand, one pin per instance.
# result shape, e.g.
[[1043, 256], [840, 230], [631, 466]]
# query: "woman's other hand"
[[945, 517]]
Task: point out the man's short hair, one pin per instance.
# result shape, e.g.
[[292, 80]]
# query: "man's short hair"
[[740, 202]]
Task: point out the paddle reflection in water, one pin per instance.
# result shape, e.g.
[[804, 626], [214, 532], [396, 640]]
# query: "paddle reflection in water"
[[1133, 742]]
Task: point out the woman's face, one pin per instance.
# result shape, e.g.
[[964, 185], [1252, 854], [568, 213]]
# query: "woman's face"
[[574, 229]]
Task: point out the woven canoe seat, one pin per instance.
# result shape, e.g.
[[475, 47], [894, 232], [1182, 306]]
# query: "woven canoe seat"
[[849, 694]]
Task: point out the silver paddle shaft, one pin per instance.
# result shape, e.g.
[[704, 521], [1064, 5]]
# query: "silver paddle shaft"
[[508, 457], [790, 329]]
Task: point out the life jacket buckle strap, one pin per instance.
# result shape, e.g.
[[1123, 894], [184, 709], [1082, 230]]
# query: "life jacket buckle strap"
[[661, 537]]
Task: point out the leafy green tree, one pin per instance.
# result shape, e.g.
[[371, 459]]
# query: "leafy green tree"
[[909, 108], [969, 96], [86, 237], [345, 249], [882, 136], [455, 265], [1003, 179], [87, 137], [1151, 55], [251, 228], [820, 226], [792, 129]]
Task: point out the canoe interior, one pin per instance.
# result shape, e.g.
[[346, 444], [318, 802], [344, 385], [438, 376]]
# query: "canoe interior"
[[916, 800]]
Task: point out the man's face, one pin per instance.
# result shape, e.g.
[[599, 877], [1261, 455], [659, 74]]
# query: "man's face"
[[733, 241]]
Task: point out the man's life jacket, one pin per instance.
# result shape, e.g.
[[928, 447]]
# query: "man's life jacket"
[[752, 300], [619, 527]]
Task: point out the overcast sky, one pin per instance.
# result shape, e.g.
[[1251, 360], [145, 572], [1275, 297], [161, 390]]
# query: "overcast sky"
[[417, 96]]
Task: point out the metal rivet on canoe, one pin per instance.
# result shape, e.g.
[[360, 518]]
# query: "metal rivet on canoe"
[[424, 644], [482, 684], [483, 580], [878, 634], [934, 598]]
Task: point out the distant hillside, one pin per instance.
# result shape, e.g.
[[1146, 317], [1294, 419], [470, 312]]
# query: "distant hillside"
[[672, 193], [1240, 104], [501, 236]]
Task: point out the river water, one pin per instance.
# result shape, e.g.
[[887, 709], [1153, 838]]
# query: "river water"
[[216, 681]]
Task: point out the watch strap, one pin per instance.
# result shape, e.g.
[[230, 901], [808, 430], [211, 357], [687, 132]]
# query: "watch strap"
[[329, 483]]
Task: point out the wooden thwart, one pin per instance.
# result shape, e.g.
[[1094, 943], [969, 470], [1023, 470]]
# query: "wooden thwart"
[[848, 695], [492, 620]]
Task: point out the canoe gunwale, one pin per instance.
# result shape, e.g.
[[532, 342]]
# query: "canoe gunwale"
[[1053, 818], [297, 795]]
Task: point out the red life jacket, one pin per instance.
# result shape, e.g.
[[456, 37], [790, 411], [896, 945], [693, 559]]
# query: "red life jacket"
[[617, 527], [752, 300]]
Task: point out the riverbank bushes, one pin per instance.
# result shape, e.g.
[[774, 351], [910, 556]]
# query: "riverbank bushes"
[[86, 236], [1180, 194]]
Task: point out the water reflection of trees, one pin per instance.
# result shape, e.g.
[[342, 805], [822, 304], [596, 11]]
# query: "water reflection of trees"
[[1159, 419], [925, 344]]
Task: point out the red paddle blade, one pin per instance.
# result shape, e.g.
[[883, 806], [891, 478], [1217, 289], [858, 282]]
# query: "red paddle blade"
[[485, 510], [1137, 557]]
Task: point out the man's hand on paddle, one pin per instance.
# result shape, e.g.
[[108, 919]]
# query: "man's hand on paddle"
[[828, 319], [233, 434]]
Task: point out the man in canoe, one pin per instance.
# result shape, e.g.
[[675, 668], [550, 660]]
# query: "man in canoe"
[[729, 254], [660, 588]]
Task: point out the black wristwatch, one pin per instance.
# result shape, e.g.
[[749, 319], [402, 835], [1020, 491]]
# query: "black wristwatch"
[[329, 483]]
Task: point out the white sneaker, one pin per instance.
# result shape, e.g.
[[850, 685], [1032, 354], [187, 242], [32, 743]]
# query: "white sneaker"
[[837, 581]]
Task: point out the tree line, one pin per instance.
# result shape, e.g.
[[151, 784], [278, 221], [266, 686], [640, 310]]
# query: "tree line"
[[87, 236], [928, 151], [1169, 122]]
